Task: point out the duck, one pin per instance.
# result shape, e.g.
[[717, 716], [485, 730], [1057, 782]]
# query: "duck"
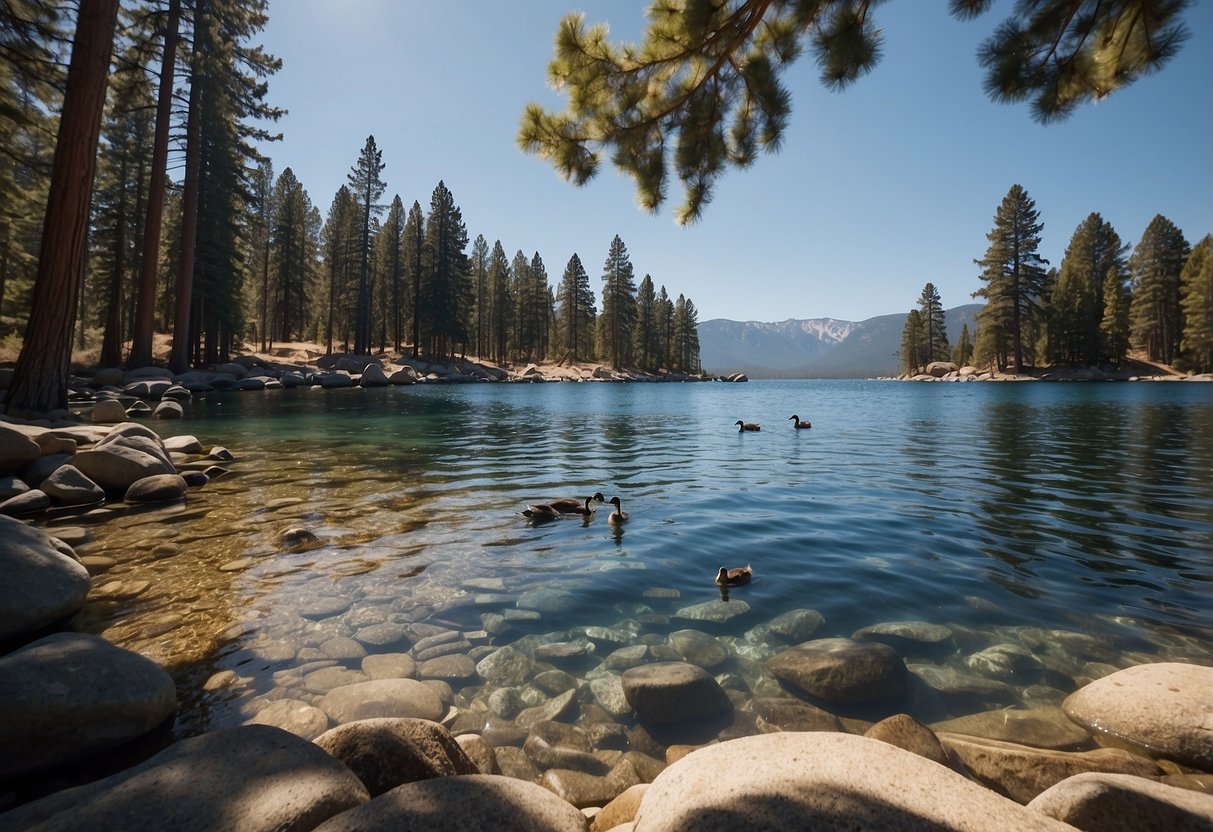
[[734, 577], [618, 515], [542, 511], [799, 425], [573, 505], [744, 426]]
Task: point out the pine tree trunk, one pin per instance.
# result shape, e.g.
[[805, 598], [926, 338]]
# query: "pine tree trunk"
[[141, 332], [179, 360], [40, 380], [111, 344]]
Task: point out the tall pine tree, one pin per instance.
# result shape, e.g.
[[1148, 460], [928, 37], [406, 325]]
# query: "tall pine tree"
[[1156, 316], [366, 184], [934, 324], [1196, 285], [618, 306], [577, 313], [1014, 276]]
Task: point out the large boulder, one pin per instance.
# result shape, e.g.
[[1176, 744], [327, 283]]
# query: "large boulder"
[[822, 781], [373, 376], [1164, 709], [108, 412], [842, 670], [1022, 772], [40, 583], [473, 801], [668, 692], [1124, 803], [386, 753], [254, 778], [71, 695], [115, 464]]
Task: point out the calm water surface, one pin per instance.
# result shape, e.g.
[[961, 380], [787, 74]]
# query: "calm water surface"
[[1003, 511]]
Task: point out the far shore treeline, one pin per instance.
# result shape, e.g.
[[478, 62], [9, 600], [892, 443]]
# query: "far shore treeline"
[[1098, 305], [236, 253]]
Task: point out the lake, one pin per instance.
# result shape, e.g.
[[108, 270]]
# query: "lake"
[[1073, 522]]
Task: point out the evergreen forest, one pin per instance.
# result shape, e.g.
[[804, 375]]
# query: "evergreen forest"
[[1105, 299], [135, 202]]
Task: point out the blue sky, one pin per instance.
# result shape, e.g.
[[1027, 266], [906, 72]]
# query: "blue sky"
[[877, 190]]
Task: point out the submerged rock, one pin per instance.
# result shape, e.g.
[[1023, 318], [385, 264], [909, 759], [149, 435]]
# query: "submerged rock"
[[382, 698], [670, 692], [842, 670], [1021, 772], [298, 717], [1037, 727]]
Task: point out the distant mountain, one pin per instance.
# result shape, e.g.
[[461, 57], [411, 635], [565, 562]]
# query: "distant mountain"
[[815, 348]]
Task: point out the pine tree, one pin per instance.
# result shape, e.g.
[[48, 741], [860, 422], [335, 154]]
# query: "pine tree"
[[294, 254], [414, 269], [577, 312], [261, 215], [445, 262], [1114, 325], [540, 300], [913, 342], [704, 91], [39, 380], [1015, 279], [1156, 315], [1077, 301], [367, 186], [480, 278], [500, 303], [665, 328], [389, 259], [934, 322], [339, 231], [618, 306], [686, 336], [118, 200], [1196, 282], [645, 338], [520, 280], [963, 353], [144, 322]]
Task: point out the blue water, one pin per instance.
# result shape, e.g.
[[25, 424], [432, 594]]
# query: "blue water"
[[987, 507]]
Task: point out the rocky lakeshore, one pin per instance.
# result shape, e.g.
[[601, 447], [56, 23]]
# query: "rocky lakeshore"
[[948, 371], [387, 710]]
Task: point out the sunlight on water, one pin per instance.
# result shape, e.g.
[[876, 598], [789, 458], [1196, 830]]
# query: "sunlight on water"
[[1074, 521]]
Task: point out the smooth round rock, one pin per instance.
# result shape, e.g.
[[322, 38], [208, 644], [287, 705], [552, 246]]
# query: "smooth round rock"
[[67, 486], [294, 715], [506, 667], [1166, 709], [1124, 803], [40, 584], [254, 778], [159, 488], [669, 692], [71, 695], [842, 670], [796, 625], [905, 732], [108, 412], [459, 804], [382, 698], [1038, 727], [820, 781], [168, 409], [385, 753], [699, 648]]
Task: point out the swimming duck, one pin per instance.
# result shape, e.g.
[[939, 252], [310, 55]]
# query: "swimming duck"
[[542, 511], [744, 426], [618, 515], [584, 511], [734, 577], [573, 505], [799, 425]]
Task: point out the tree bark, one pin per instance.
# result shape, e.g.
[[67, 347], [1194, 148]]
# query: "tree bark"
[[40, 379], [179, 359], [141, 332]]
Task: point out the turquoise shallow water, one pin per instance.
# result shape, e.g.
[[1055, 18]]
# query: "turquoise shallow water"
[[991, 508]]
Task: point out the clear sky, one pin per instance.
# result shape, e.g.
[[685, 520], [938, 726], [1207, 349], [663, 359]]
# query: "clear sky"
[[877, 190]]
